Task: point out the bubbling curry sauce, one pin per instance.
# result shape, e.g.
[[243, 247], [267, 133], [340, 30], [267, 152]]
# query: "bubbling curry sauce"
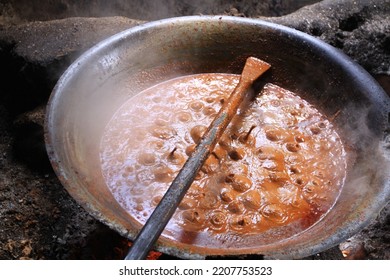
[[280, 161]]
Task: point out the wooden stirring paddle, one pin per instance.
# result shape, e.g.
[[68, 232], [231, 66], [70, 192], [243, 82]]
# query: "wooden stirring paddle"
[[157, 221]]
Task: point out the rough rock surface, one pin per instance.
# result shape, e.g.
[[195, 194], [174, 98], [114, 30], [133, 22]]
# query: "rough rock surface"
[[361, 29], [36, 54], [44, 42], [38, 219], [31, 10]]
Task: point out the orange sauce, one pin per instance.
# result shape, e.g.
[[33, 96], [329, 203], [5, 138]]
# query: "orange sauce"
[[280, 160]]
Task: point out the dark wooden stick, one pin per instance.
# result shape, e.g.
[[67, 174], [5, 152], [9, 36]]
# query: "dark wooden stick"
[[157, 221]]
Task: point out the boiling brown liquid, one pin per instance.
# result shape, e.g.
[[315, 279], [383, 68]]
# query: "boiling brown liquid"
[[279, 161]]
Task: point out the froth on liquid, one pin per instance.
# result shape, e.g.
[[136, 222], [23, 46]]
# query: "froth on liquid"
[[280, 161]]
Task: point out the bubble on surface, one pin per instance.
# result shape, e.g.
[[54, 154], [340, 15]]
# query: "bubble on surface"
[[164, 133], [274, 213], [268, 169], [197, 132], [209, 200], [209, 111], [252, 199], [209, 99], [217, 219], [241, 183], [293, 147], [190, 149], [196, 106], [193, 218], [273, 134], [240, 222], [227, 195], [187, 203], [146, 158], [236, 207], [184, 117], [161, 122], [163, 173]]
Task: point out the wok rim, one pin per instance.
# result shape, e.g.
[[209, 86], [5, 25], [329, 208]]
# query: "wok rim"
[[363, 79]]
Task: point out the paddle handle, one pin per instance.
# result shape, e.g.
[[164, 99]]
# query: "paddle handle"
[[172, 198]]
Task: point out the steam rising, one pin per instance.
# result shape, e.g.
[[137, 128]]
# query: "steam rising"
[[371, 162], [19, 11]]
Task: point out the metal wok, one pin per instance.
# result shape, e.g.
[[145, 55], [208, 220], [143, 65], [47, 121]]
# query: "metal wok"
[[107, 75]]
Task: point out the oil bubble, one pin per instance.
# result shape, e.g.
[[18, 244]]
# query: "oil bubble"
[[274, 213], [241, 183], [187, 203], [227, 195], [240, 222], [197, 132], [196, 106], [184, 117], [163, 173], [209, 200], [236, 207], [145, 158], [217, 219], [252, 199], [164, 133]]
